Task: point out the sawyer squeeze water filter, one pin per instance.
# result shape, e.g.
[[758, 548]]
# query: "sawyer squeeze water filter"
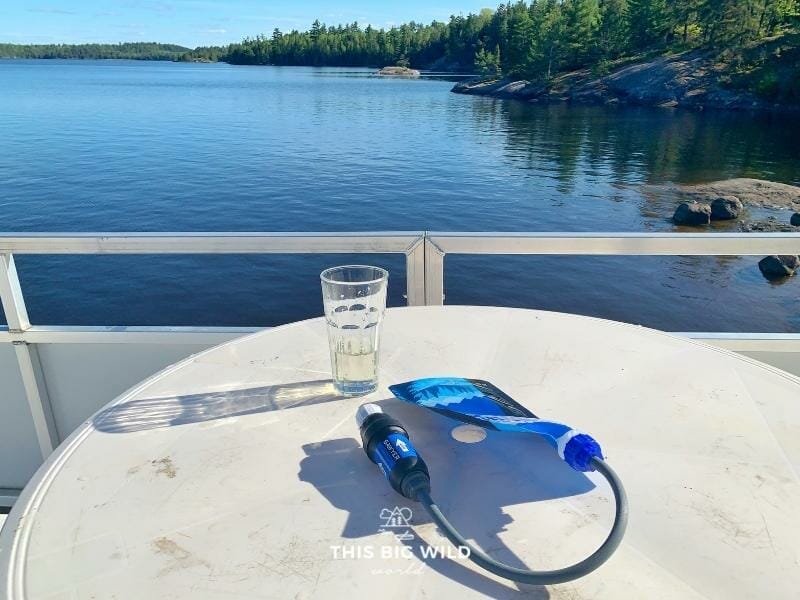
[[387, 443]]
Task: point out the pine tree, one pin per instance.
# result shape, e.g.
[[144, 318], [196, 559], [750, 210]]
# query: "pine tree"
[[552, 38], [488, 63], [613, 33], [682, 16], [316, 30], [581, 22], [648, 21], [779, 13], [520, 41]]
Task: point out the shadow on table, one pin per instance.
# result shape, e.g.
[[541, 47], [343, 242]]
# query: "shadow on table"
[[169, 411], [471, 482]]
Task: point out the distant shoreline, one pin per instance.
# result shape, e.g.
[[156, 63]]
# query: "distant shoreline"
[[87, 58], [122, 51], [760, 75]]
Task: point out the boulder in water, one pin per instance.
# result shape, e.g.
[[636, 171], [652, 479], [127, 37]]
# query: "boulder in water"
[[726, 208], [795, 220], [692, 213], [778, 267]]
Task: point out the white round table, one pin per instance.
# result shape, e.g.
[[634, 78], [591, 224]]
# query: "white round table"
[[238, 473]]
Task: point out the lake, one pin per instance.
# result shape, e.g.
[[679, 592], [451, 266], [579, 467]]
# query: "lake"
[[152, 146]]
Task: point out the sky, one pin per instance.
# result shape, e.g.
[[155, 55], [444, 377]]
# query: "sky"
[[202, 22]]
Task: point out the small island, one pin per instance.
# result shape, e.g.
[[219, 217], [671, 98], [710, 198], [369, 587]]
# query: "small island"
[[398, 72]]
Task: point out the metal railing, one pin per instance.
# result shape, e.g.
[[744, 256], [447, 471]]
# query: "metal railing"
[[425, 262], [409, 243], [439, 244], [25, 336]]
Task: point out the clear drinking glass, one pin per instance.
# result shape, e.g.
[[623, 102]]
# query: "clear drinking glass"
[[355, 300]]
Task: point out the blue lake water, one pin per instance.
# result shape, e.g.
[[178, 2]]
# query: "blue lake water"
[[142, 146]]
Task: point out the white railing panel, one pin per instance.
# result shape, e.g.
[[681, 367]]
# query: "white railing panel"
[[749, 342], [210, 243], [434, 274], [415, 274], [125, 335], [621, 244], [20, 454], [7, 498], [37, 395], [82, 378]]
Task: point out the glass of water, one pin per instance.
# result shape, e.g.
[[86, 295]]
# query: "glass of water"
[[355, 300]]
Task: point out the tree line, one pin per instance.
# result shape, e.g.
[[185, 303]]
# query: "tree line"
[[526, 39], [346, 45], [129, 50], [532, 39]]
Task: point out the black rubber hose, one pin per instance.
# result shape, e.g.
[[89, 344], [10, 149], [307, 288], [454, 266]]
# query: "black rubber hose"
[[587, 565]]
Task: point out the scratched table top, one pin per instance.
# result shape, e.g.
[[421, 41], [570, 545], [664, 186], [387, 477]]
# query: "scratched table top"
[[238, 473]]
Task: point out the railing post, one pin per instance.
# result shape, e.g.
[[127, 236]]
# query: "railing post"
[[434, 273], [415, 273], [11, 295], [30, 367]]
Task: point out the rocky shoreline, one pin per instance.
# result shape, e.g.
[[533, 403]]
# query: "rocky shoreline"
[[738, 201], [690, 80], [746, 203]]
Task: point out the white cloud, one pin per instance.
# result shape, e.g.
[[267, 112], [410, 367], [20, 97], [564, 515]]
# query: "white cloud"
[[214, 31], [51, 11]]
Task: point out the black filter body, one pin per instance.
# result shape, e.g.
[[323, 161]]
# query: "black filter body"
[[387, 444]]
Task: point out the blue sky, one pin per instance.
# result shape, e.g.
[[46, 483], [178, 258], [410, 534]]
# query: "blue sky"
[[201, 22]]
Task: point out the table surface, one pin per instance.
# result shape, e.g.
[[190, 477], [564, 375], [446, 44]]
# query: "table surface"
[[238, 473]]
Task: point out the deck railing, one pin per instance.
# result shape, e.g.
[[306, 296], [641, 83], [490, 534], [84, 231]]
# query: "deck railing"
[[25, 336], [424, 253]]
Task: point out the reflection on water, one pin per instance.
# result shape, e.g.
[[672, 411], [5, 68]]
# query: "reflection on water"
[[608, 153], [633, 145], [164, 146]]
